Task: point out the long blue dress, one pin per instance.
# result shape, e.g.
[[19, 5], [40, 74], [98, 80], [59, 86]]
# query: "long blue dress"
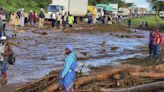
[[68, 73]]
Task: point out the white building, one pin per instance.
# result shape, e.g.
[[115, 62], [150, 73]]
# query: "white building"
[[124, 11]]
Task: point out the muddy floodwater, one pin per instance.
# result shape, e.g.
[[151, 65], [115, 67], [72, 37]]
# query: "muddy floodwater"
[[38, 54]]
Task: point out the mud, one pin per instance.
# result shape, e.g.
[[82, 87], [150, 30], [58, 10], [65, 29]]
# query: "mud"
[[40, 51]]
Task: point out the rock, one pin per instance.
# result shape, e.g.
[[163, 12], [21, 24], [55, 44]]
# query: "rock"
[[111, 33], [114, 48], [84, 53]]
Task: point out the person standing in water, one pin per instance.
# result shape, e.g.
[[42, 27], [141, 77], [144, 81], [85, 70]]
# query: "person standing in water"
[[34, 18], [2, 22], [5, 52], [157, 42], [30, 17], [41, 18], [14, 21], [68, 73], [53, 17], [22, 18], [151, 36], [129, 23], [70, 21]]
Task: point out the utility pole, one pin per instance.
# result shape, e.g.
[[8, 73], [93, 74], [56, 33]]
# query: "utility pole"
[[69, 6]]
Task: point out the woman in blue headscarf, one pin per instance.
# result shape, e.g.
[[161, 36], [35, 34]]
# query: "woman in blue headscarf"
[[68, 73]]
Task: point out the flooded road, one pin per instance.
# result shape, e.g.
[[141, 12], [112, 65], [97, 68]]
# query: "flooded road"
[[37, 54]]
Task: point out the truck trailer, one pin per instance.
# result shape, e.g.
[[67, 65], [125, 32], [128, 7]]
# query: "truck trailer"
[[76, 8]]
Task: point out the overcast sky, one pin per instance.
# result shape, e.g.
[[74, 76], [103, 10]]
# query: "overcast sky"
[[139, 3]]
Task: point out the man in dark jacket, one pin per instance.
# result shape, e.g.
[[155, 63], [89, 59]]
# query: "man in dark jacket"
[[30, 17], [41, 18]]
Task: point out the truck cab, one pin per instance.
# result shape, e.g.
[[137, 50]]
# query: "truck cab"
[[56, 8]]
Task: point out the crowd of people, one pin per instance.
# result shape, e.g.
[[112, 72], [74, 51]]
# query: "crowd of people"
[[21, 18], [103, 18], [60, 19]]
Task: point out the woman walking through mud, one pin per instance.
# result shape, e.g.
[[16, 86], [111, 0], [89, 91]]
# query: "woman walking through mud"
[[68, 73], [14, 22]]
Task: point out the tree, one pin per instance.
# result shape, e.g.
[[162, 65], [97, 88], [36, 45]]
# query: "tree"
[[157, 5], [121, 3]]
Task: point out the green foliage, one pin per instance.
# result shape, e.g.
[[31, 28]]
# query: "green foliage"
[[156, 4], [13, 5], [152, 21], [121, 3]]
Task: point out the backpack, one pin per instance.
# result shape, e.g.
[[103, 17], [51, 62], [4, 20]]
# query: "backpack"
[[41, 15], [11, 59]]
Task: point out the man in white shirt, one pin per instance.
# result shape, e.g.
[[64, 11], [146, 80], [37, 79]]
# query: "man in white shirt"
[[3, 62], [53, 17]]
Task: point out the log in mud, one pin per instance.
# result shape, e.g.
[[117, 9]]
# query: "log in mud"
[[114, 74], [152, 87]]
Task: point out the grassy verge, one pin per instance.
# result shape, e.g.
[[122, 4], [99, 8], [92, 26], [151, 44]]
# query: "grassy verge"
[[152, 22]]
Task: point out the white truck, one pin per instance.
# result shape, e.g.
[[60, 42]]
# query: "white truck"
[[74, 7], [161, 14]]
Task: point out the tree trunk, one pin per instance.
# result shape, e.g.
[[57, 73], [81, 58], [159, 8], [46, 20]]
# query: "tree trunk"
[[148, 75], [100, 76], [152, 87], [52, 87], [86, 79]]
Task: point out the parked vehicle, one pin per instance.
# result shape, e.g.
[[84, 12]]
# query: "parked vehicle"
[[161, 14], [73, 7]]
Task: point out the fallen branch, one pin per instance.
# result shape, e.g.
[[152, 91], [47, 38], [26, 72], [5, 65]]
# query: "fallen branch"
[[156, 67], [52, 87], [35, 84], [148, 74]]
